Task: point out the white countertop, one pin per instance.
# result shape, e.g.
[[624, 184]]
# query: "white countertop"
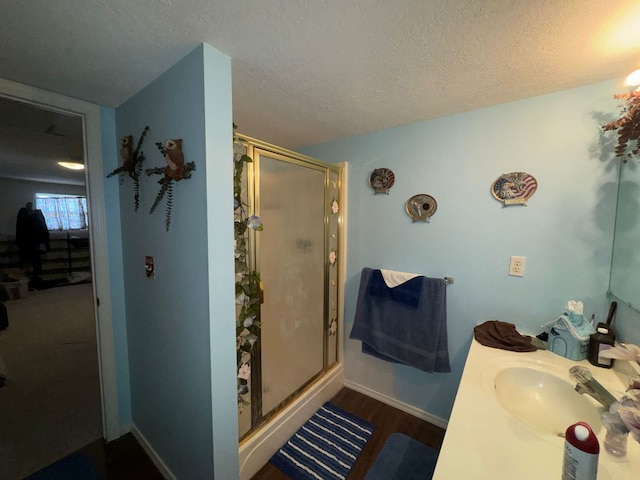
[[484, 441]]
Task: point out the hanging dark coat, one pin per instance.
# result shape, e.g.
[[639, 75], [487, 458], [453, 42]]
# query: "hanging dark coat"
[[31, 231]]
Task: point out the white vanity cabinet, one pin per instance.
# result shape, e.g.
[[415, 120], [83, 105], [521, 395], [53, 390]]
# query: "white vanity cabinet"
[[485, 441]]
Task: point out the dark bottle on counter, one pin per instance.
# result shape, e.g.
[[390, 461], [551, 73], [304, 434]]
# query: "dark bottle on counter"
[[599, 342]]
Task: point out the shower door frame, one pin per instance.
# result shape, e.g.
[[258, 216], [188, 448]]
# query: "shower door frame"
[[255, 148]]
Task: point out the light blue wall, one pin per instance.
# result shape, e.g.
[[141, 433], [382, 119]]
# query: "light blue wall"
[[168, 320], [114, 244], [566, 231], [626, 323], [219, 135]]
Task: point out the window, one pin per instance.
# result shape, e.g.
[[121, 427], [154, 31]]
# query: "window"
[[63, 212]]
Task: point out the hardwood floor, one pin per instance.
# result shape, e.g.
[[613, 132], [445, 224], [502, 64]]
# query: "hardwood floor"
[[125, 459], [122, 459], [387, 420]]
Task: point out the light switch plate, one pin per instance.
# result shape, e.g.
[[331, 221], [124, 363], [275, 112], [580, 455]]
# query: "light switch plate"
[[149, 267]]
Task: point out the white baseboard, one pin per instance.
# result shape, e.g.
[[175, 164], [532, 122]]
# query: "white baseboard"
[[405, 407], [153, 455], [124, 429]]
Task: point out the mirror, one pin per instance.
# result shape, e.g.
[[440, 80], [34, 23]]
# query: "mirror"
[[625, 264]]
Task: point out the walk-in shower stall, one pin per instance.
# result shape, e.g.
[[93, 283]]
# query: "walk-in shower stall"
[[298, 255]]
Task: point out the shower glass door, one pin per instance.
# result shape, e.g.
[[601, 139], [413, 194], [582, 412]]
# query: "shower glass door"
[[296, 256], [291, 253]]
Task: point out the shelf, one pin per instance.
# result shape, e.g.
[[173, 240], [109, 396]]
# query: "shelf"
[[65, 256]]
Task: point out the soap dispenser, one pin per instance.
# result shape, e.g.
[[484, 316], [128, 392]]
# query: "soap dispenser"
[[599, 342]]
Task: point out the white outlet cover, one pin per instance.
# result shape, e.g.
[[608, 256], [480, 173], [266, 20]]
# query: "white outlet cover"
[[517, 266]]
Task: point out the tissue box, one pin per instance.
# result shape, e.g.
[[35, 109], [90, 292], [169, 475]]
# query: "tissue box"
[[569, 336]]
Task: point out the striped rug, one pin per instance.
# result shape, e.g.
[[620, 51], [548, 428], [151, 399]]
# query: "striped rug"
[[325, 447]]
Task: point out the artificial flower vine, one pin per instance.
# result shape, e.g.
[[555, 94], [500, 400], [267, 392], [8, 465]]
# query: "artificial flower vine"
[[247, 280], [624, 415], [627, 126]]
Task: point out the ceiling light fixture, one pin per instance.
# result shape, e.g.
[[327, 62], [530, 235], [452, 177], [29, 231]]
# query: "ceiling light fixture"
[[633, 80], [72, 165]]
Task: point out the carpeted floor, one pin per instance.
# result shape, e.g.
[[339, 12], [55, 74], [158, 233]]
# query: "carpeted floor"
[[50, 406]]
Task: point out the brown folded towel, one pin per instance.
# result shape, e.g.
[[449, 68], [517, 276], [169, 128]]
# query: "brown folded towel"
[[503, 335]]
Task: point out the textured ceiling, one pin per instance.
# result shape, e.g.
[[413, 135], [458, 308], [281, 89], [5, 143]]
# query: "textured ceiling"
[[34, 140], [310, 71]]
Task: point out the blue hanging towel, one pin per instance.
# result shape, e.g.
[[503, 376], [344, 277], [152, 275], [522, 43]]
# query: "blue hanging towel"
[[403, 324]]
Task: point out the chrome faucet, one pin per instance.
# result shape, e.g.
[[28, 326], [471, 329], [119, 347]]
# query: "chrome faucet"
[[589, 385]]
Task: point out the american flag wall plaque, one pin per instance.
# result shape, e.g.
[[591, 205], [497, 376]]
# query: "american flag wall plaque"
[[514, 188]]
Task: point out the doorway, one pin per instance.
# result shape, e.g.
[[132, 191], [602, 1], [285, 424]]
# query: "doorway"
[[99, 288]]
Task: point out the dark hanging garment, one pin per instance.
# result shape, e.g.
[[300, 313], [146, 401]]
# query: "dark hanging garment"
[[4, 318], [31, 230], [32, 238]]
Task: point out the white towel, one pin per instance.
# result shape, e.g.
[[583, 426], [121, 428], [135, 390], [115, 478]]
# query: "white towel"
[[393, 278]]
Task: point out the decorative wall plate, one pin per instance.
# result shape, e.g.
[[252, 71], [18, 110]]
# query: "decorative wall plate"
[[421, 207], [381, 180], [514, 188]]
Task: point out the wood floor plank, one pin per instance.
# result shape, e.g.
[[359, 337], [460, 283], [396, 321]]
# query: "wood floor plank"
[[124, 459]]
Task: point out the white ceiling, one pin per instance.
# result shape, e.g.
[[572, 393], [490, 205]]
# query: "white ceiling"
[[311, 71], [34, 140]]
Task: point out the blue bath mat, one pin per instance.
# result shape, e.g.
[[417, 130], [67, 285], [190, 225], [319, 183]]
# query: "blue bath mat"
[[74, 467], [403, 458], [325, 447]]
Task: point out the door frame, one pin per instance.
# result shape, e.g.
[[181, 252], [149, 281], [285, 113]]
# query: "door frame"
[[94, 178]]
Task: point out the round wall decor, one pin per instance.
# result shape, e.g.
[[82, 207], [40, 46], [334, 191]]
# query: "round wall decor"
[[421, 207], [514, 188], [381, 180]]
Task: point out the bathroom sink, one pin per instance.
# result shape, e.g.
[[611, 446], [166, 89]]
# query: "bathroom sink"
[[543, 401]]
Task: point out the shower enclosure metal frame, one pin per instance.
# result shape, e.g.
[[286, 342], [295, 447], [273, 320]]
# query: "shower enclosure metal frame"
[[332, 281]]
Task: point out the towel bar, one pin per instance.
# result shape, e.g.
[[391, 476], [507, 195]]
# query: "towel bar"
[[448, 280]]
